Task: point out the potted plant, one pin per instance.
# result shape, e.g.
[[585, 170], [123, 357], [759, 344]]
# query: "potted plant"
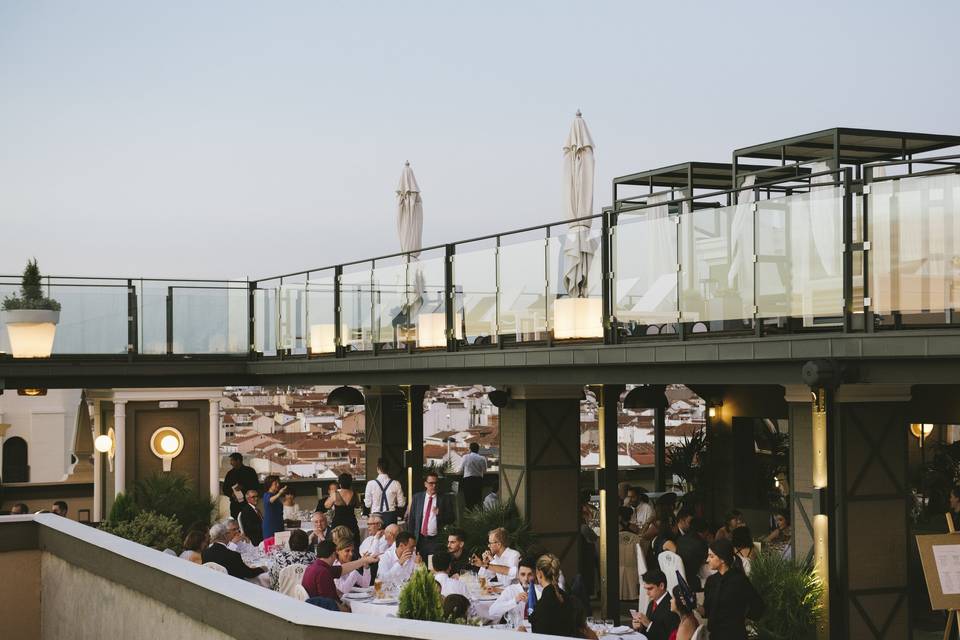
[[31, 317], [420, 598]]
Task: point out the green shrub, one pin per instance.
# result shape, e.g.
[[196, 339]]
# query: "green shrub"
[[149, 529], [172, 494], [792, 594], [124, 509], [31, 292], [480, 520], [420, 598]]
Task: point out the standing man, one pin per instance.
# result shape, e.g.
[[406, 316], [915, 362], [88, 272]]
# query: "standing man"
[[429, 513], [237, 482], [384, 495], [692, 549], [474, 467]]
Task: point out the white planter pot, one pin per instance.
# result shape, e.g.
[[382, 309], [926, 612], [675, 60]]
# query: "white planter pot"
[[31, 331]]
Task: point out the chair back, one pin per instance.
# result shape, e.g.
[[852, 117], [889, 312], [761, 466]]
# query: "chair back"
[[289, 578], [170, 552], [670, 563], [216, 567], [643, 601], [701, 633]]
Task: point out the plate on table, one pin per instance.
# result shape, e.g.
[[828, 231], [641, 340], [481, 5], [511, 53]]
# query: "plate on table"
[[486, 597], [357, 596], [367, 590], [386, 601]]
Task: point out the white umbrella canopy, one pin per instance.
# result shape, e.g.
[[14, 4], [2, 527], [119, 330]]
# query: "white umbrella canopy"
[[410, 229], [578, 168]]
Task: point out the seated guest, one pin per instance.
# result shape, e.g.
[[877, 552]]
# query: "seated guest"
[[20, 509], [318, 579], [456, 607], [733, 520], [375, 543], [459, 561], [398, 562], [534, 551], [499, 562], [193, 546], [341, 533], [291, 512], [553, 613], [692, 549], [349, 579], [441, 573], [658, 621], [236, 541], [729, 598], [744, 547], [321, 530], [249, 518], [220, 533], [684, 603], [625, 520], [514, 596], [59, 508], [779, 538], [298, 553]]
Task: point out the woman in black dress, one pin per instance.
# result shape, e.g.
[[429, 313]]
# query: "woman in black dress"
[[729, 598], [553, 613], [344, 502]]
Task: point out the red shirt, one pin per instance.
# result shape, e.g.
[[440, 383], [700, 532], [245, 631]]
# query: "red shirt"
[[318, 580]]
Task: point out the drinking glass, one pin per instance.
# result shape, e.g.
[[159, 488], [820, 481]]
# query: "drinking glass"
[[591, 622], [608, 626]]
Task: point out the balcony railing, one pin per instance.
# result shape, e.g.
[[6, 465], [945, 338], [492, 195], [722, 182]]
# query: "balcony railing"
[[818, 252]]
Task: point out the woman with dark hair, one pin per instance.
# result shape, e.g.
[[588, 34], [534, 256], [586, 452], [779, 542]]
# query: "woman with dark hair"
[[744, 547], [552, 614], [298, 553], [683, 604], [455, 607], [272, 506], [729, 598], [193, 545], [344, 503], [779, 538], [733, 520]]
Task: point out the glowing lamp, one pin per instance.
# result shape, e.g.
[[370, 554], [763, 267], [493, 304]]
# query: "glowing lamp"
[[166, 443], [103, 443], [577, 318], [921, 431]]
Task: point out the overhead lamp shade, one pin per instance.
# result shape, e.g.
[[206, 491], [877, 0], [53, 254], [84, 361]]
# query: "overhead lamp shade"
[[648, 396], [577, 318], [323, 337], [345, 397], [498, 398]]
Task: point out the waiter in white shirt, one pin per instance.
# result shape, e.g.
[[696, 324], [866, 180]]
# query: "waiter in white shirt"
[[499, 563], [474, 467], [384, 495]]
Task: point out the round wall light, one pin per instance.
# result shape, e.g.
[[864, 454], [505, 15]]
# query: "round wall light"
[[103, 443], [166, 443]]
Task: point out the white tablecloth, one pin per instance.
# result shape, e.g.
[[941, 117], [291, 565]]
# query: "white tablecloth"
[[371, 608]]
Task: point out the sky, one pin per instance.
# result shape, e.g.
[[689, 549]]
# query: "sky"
[[233, 139]]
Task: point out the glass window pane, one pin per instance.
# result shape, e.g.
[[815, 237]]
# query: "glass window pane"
[[392, 326], [575, 301], [426, 280], [523, 288], [209, 319], [645, 273], [355, 305], [475, 287], [320, 312]]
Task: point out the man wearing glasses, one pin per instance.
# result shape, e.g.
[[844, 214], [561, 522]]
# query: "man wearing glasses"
[[429, 513]]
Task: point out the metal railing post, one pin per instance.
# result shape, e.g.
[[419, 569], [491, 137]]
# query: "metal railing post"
[[132, 330], [338, 345], [450, 297], [251, 318], [610, 330], [847, 251], [169, 320]]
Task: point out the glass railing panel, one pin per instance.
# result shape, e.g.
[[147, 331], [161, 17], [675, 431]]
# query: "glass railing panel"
[[321, 312], [292, 320], [265, 318], [426, 279], [799, 267], [645, 272], [914, 234], [522, 271], [575, 297], [392, 305], [716, 267], [152, 316], [210, 319], [356, 306], [93, 318], [475, 292]]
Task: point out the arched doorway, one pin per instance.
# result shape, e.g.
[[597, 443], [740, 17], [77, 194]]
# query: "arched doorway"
[[15, 467]]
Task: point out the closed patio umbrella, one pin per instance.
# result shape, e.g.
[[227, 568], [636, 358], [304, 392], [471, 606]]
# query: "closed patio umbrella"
[[578, 246], [410, 229]]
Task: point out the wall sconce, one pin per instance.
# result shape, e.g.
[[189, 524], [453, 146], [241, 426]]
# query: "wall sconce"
[[33, 392], [577, 318], [921, 431], [713, 408], [105, 443], [166, 443]]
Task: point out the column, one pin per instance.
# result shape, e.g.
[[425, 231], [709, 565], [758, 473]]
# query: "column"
[[97, 462], [608, 398], [540, 465], [385, 414], [3, 432], [413, 455], [120, 447], [214, 451], [659, 448]]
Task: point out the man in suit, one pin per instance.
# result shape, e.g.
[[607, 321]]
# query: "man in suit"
[[692, 549], [429, 513], [658, 622], [237, 482], [229, 560], [251, 522]]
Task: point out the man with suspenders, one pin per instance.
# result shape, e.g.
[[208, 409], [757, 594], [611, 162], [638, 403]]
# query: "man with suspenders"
[[384, 495]]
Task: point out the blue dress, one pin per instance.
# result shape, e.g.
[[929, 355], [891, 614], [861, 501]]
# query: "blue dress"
[[272, 516]]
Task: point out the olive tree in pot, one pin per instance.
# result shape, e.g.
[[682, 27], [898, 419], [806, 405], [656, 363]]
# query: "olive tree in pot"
[[31, 317]]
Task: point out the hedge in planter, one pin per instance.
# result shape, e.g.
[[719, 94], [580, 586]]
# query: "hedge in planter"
[[420, 598], [149, 529]]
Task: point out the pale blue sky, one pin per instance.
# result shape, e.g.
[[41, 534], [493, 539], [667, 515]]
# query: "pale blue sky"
[[227, 139]]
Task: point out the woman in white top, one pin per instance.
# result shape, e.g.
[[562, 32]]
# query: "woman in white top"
[[193, 546], [358, 577]]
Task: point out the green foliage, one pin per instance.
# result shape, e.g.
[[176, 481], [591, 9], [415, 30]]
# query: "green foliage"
[[172, 494], [688, 461], [149, 529], [936, 477], [31, 292], [124, 509], [480, 520], [792, 594], [420, 598]]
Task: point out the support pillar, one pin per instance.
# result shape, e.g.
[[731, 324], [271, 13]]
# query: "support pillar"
[[413, 455], [214, 451], [659, 449], [97, 462], [120, 447], [540, 465], [608, 397], [385, 430]]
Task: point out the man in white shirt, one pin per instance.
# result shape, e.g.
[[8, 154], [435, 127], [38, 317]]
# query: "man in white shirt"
[[375, 543], [441, 573], [514, 596], [643, 511], [384, 495], [474, 467], [396, 565], [499, 563]]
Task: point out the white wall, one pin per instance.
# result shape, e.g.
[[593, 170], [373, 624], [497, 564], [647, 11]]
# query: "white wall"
[[48, 424]]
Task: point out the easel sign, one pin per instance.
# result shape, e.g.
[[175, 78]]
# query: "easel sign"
[[940, 557]]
